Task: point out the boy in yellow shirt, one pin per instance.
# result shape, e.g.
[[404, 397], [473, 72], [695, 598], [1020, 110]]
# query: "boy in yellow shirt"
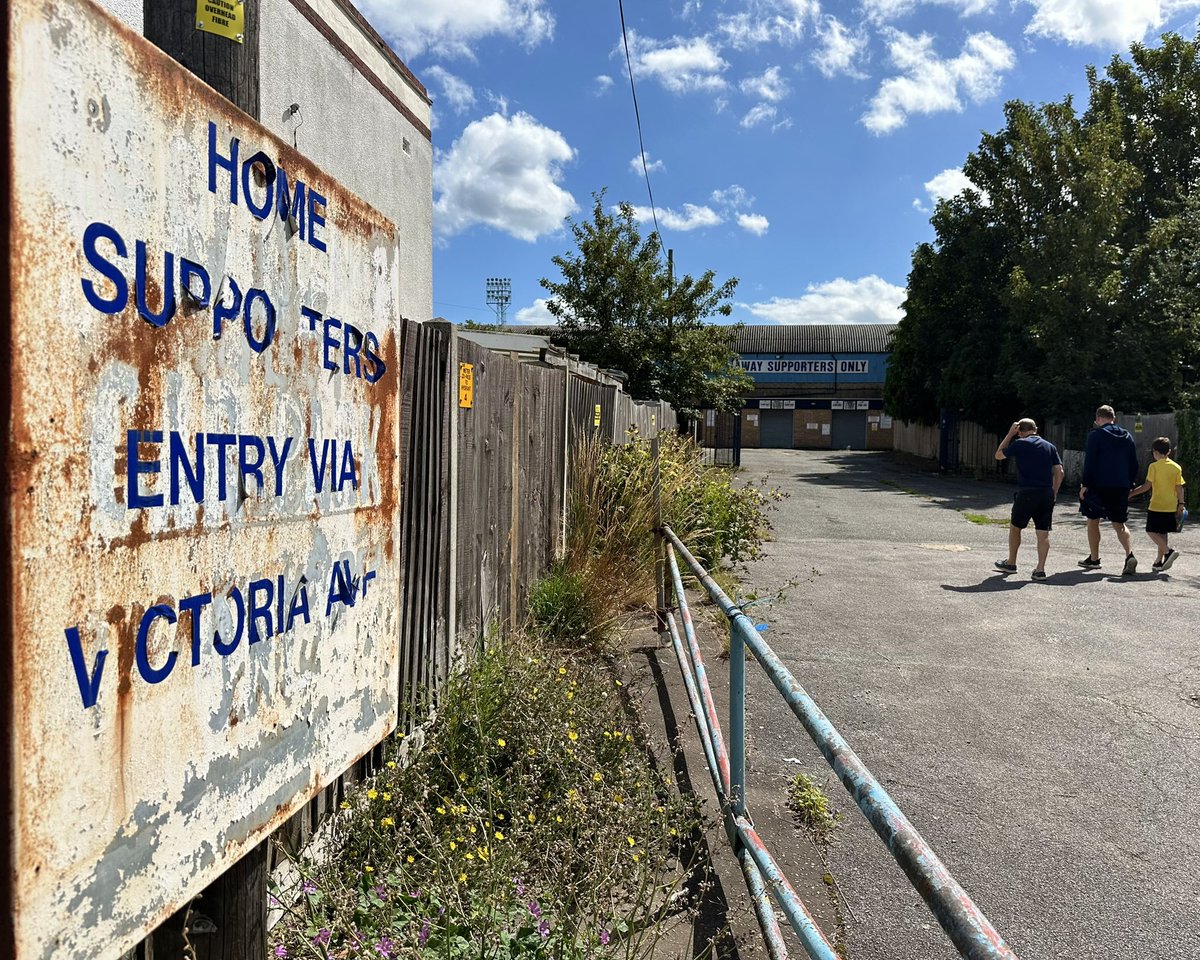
[[1165, 479]]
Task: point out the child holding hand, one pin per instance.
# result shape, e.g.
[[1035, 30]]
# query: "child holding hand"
[[1165, 479]]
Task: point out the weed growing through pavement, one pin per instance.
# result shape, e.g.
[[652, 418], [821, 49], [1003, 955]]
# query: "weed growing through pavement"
[[984, 519], [530, 825], [810, 806]]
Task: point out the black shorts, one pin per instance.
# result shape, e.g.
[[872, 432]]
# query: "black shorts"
[[1160, 521], [1106, 503], [1033, 503]]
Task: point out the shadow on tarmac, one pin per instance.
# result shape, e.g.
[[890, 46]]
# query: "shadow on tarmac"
[[877, 471], [1000, 582]]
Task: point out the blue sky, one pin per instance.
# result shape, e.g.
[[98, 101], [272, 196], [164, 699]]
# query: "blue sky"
[[798, 145]]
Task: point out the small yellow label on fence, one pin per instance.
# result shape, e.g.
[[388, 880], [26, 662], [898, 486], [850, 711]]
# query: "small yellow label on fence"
[[596, 418], [466, 385], [225, 18]]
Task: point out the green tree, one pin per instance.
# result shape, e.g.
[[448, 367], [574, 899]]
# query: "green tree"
[[1061, 279], [618, 307]]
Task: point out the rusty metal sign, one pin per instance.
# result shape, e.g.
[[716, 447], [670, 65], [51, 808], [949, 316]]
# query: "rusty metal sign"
[[203, 482]]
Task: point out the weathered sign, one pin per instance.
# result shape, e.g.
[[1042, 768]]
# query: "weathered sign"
[[225, 18], [203, 482]]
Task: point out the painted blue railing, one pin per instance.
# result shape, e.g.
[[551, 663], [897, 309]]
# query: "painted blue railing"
[[969, 930]]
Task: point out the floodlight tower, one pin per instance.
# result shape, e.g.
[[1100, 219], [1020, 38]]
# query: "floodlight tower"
[[499, 296]]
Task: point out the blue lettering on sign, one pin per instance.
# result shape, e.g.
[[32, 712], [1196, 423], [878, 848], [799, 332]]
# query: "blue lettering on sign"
[[301, 208], [360, 352], [258, 614], [328, 466], [185, 275], [187, 458]]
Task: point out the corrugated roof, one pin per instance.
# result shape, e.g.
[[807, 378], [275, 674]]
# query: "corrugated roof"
[[815, 338]]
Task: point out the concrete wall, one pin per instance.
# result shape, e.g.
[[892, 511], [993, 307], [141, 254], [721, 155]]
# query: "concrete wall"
[[350, 128]]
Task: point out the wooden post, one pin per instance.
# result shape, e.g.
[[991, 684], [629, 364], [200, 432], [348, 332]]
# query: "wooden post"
[[225, 922], [515, 571], [229, 67]]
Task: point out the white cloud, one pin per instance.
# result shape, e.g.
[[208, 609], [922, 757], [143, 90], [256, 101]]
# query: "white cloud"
[[769, 86], [754, 223], [536, 314], [455, 91], [652, 166], [840, 50], [451, 26], [681, 65], [603, 83], [733, 197], [503, 172], [693, 217], [930, 84], [757, 114], [768, 21], [882, 11], [869, 299], [1113, 23], [948, 183]]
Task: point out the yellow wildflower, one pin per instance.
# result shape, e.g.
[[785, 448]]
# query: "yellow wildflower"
[[562, 671], [391, 764], [372, 794], [442, 811], [345, 805], [453, 845], [632, 842], [573, 735], [462, 878], [531, 818], [387, 822], [410, 858], [597, 776], [387, 796], [500, 742], [499, 835], [368, 869]]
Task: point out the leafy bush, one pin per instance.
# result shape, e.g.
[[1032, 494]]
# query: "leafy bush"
[[530, 825], [562, 610]]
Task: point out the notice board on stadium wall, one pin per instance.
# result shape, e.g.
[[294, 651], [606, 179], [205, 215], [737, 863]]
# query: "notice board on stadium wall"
[[202, 482]]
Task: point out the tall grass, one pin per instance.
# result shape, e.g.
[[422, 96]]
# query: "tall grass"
[[612, 519]]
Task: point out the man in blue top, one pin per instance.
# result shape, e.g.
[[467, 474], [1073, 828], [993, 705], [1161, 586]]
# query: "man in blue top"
[[1039, 475], [1110, 471]]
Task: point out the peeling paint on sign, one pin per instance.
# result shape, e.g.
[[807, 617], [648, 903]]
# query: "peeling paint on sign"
[[203, 485]]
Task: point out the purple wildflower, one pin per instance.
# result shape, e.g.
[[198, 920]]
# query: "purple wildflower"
[[423, 936], [520, 888], [309, 887], [534, 908], [544, 929], [322, 938], [281, 951], [604, 936], [385, 947], [381, 891]]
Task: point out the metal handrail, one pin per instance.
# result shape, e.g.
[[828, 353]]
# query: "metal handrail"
[[969, 930]]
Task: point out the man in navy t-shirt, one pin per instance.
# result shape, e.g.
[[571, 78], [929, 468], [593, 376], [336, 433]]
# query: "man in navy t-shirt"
[[1039, 475]]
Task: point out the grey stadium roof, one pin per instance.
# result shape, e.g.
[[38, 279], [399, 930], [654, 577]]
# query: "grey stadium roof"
[[815, 338]]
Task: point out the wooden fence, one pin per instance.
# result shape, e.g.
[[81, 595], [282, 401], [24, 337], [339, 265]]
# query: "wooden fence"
[[973, 448], [485, 480]]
